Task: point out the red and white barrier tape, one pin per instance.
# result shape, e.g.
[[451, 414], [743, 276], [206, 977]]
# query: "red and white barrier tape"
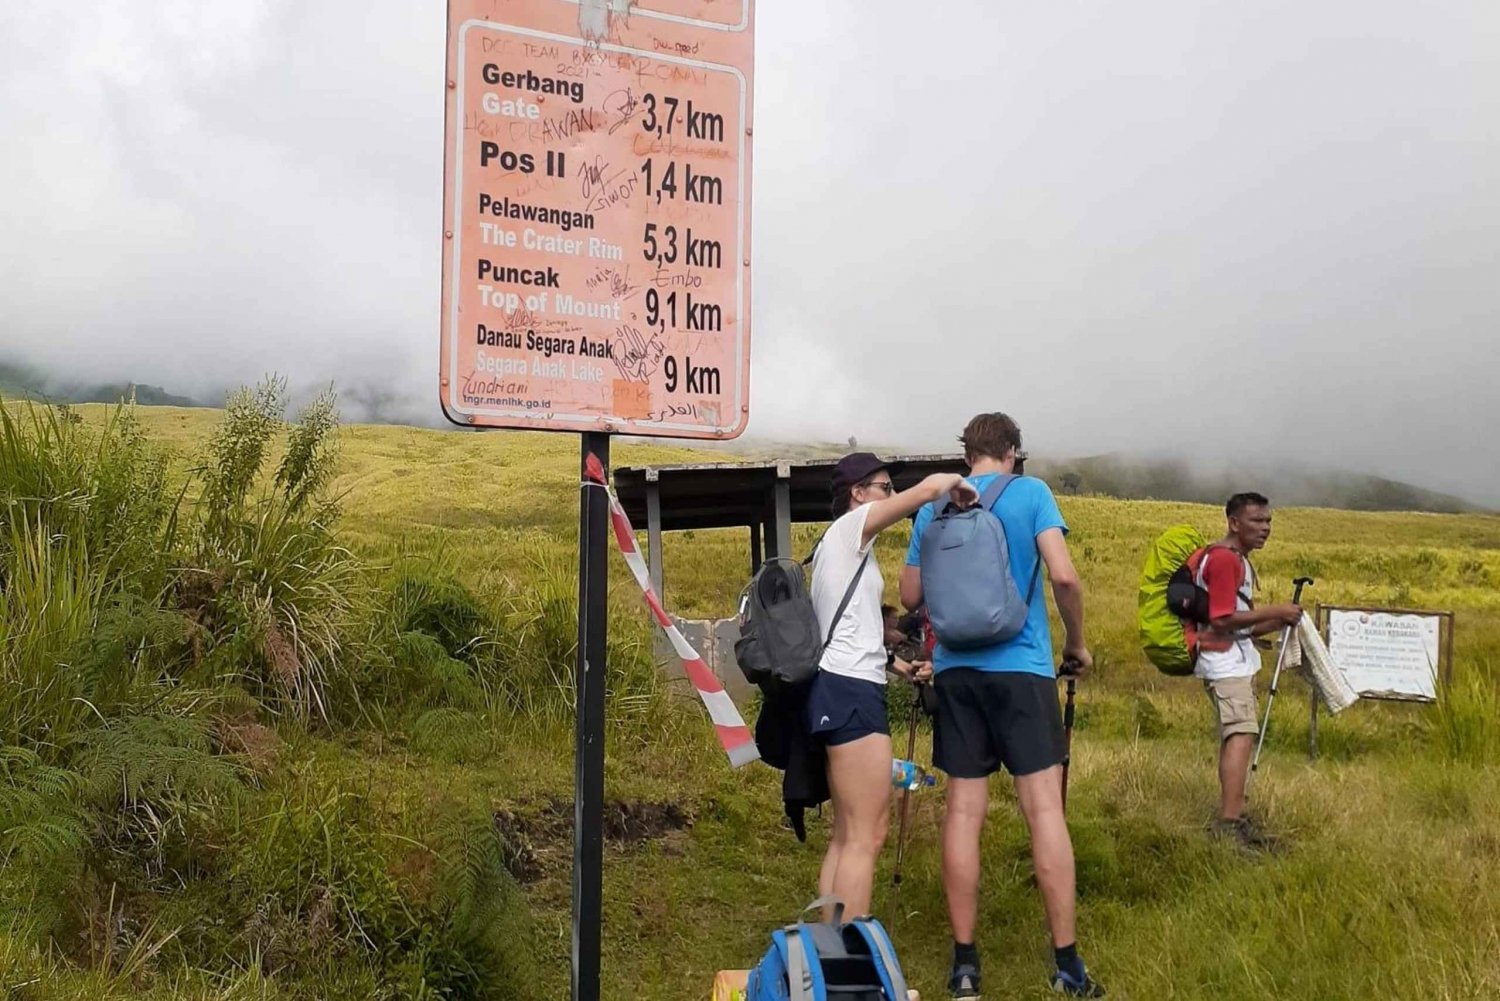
[[734, 735]]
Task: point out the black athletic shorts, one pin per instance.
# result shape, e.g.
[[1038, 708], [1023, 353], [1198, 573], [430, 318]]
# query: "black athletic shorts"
[[986, 719], [841, 709]]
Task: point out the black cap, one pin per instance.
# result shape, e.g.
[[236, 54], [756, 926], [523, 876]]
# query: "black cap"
[[856, 467]]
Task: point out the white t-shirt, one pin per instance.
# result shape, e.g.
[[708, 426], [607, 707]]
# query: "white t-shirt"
[[1241, 660], [857, 649]]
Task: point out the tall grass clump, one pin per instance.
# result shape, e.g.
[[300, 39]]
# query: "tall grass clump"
[[105, 489], [540, 644], [1466, 720], [86, 520], [269, 583]]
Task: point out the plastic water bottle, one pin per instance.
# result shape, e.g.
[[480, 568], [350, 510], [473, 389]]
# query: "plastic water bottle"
[[910, 775]]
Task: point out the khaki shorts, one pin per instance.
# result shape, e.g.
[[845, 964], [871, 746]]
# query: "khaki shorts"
[[1234, 705]]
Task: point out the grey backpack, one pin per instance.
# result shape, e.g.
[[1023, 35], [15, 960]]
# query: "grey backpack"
[[972, 598], [780, 641]]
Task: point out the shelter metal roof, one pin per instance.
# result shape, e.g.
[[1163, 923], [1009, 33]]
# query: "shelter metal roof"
[[730, 495]]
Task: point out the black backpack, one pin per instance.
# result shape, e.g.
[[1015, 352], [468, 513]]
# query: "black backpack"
[[780, 642]]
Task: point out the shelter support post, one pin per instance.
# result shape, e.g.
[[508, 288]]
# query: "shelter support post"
[[653, 530], [783, 509]]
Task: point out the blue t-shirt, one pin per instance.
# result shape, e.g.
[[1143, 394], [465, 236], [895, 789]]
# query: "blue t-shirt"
[[1026, 510]]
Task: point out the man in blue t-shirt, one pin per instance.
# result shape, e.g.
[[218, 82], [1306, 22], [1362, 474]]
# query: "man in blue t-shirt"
[[997, 707]]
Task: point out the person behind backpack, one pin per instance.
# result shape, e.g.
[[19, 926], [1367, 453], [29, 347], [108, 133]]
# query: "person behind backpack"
[[846, 707], [1227, 657], [997, 706]]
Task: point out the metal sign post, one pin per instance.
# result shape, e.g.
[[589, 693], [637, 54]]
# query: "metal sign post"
[[596, 270], [588, 740]]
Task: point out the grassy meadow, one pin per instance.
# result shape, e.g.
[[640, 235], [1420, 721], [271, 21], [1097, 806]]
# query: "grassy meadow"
[[285, 713]]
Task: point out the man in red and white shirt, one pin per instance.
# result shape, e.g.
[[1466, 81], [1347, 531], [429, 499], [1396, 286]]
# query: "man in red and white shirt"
[[1227, 656]]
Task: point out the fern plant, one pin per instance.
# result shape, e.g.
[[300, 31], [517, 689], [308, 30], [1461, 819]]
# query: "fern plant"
[[478, 945], [44, 838]]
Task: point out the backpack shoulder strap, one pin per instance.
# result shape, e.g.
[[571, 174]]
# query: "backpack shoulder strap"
[[844, 601], [798, 973], [816, 987], [991, 495], [891, 978], [1201, 581], [1202, 568], [988, 500], [1036, 574]]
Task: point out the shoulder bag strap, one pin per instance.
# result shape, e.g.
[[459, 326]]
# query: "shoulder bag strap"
[[814, 551], [844, 602]]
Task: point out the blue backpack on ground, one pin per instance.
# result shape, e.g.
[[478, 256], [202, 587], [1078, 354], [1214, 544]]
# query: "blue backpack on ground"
[[826, 961], [972, 599]]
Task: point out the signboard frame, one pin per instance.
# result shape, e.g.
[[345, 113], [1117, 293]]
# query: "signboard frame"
[[657, 366], [1322, 619]]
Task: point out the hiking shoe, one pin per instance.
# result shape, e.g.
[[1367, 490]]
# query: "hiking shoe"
[[1245, 832], [1258, 835], [1065, 983], [963, 982]]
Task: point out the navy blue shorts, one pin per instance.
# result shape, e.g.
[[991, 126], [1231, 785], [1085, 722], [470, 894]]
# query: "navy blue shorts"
[[841, 709]]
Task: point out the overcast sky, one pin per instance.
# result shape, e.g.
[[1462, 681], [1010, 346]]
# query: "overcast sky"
[[1190, 225]]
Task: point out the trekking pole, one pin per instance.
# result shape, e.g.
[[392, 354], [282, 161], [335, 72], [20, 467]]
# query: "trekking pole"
[[1069, 670], [911, 749], [1286, 635]]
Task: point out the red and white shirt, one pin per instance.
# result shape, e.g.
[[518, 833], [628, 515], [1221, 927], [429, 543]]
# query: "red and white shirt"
[[1229, 579]]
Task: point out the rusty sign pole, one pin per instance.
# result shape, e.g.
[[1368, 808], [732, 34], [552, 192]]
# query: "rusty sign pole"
[[588, 738]]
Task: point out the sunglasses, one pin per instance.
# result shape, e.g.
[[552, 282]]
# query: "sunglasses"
[[884, 485]]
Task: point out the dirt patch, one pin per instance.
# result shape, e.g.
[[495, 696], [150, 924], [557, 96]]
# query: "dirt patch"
[[539, 839], [630, 824]]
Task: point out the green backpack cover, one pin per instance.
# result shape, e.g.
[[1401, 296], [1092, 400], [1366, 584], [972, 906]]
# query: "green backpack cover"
[[1162, 636]]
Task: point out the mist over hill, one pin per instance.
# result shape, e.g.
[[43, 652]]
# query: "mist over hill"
[[1285, 480]]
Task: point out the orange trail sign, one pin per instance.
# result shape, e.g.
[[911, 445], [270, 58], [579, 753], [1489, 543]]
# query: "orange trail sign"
[[596, 226]]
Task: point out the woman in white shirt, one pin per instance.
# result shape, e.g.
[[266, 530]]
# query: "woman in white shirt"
[[846, 706]]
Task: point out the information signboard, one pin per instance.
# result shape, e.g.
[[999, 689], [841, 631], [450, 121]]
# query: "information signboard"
[[1392, 654], [597, 216]]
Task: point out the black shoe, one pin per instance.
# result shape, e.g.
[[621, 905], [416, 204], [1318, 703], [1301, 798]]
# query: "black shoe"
[[1066, 983], [963, 982]]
